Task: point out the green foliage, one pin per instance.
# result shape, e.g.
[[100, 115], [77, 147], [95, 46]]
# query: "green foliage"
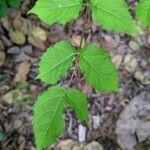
[[99, 71], [143, 12], [1, 136], [48, 122], [60, 11], [21, 85], [95, 63], [1, 76], [3, 9], [148, 148], [113, 15], [13, 3], [55, 62], [78, 101], [5, 4]]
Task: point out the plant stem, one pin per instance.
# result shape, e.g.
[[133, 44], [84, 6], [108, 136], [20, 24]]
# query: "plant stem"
[[77, 68]]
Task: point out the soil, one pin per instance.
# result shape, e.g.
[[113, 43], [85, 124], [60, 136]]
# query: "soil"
[[24, 38]]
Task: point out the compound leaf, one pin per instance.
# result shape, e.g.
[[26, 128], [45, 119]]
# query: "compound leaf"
[[3, 9], [113, 15], [60, 11], [99, 70], [143, 12], [55, 62], [48, 122], [13, 3], [78, 101]]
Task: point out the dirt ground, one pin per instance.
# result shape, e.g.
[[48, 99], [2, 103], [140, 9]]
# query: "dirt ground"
[[117, 121]]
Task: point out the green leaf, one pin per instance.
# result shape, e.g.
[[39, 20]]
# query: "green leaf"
[[60, 11], [55, 62], [113, 15], [22, 85], [1, 136], [13, 3], [99, 70], [143, 12], [78, 101], [48, 122], [3, 9]]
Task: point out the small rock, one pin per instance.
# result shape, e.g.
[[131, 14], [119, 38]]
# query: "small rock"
[[33, 148], [81, 133], [17, 37], [147, 74], [33, 88], [77, 147], [75, 41], [21, 25], [25, 26], [143, 63], [93, 146], [2, 47], [6, 23], [12, 96], [17, 23], [149, 39], [4, 89], [146, 80], [23, 57], [17, 124], [13, 50], [6, 41], [117, 59], [13, 13], [8, 97], [108, 43], [132, 123], [2, 58], [27, 49], [65, 145], [96, 122], [138, 40], [24, 6], [22, 72], [39, 33], [139, 76], [36, 43], [134, 45], [130, 63]]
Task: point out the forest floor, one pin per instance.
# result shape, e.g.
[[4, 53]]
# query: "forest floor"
[[117, 121]]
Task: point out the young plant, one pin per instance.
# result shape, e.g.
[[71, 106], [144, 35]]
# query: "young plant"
[[94, 62], [5, 4]]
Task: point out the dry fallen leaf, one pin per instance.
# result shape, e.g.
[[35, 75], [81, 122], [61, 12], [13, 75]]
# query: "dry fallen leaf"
[[75, 41], [22, 72], [2, 58]]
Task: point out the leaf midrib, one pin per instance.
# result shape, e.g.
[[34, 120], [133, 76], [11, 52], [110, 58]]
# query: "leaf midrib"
[[93, 68], [51, 120], [56, 66], [64, 6], [91, 65], [110, 13], [73, 103], [44, 102], [77, 5]]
